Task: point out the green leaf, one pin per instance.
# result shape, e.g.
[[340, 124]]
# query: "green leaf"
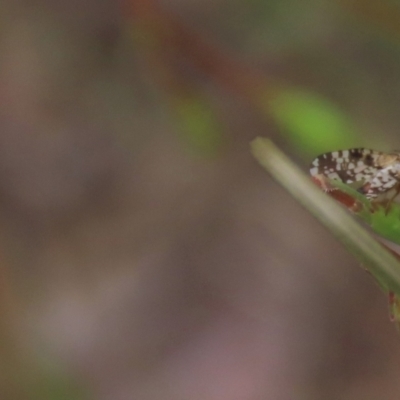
[[199, 124], [313, 124]]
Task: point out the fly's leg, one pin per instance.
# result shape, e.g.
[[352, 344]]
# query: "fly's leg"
[[391, 199], [382, 182]]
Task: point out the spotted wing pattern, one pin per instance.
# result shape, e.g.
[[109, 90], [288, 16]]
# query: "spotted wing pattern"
[[384, 180], [376, 171]]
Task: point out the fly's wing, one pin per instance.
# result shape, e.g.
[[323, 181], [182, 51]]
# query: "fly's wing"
[[385, 180], [348, 166]]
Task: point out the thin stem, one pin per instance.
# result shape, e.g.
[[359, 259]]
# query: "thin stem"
[[380, 262]]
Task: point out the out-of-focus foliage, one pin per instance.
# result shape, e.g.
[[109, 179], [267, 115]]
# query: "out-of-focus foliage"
[[140, 246], [56, 388], [313, 124], [199, 124]]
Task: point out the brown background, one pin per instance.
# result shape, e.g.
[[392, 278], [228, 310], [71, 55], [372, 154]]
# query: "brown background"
[[141, 267]]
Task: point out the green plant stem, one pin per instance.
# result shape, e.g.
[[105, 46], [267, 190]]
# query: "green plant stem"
[[379, 262]]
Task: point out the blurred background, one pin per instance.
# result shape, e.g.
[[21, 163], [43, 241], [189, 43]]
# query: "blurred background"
[[144, 254]]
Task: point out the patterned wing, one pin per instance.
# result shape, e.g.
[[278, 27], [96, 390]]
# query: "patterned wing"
[[385, 179], [348, 166]]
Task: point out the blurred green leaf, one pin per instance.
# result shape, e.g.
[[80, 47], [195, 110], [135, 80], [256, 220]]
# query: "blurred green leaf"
[[313, 124], [59, 389], [199, 124], [50, 381]]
